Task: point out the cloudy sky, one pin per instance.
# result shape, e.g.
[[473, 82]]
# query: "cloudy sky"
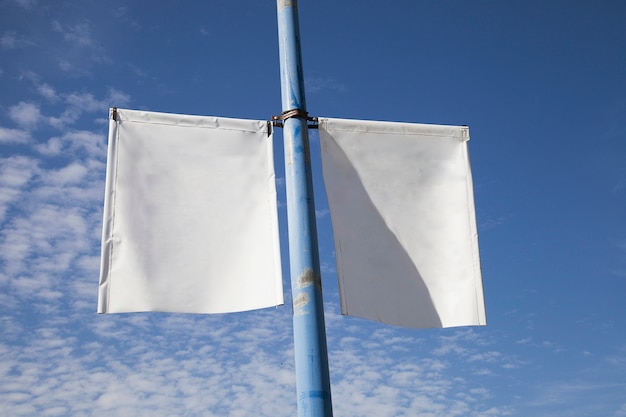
[[542, 86]]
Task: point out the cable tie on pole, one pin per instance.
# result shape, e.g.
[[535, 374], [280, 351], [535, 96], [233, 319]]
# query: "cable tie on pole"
[[114, 113], [278, 121]]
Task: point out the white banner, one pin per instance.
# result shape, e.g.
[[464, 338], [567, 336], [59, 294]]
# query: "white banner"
[[402, 208], [190, 219]]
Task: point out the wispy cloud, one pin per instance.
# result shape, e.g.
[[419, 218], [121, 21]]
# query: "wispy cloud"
[[26, 4], [13, 40], [79, 34], [620, 271], [487, 223], [187, 369], [86, 48], [374, 382], [28, 115], [317, 84], [44, 89], [321, 213], [621, 412], [571, 394], [124, 14]]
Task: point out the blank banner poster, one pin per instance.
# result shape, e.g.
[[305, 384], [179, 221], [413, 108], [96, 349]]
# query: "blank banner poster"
[[402, 209], [190, 220]]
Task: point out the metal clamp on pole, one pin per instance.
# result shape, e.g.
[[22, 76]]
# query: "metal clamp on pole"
[[301, 114]]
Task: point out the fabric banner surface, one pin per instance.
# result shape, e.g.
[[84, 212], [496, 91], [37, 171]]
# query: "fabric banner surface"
[[402, 209], [190, 219]]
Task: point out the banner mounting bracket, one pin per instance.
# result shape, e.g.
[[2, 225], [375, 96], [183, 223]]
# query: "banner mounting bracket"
[[278, 121]]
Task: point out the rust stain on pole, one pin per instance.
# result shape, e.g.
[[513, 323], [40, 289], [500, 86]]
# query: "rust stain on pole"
[[308, 278], [284, 3]]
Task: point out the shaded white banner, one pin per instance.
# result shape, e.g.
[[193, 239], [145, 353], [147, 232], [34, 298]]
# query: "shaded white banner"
[[402, 208], [190, 219]]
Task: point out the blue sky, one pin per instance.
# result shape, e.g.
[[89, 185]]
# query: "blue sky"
[[542, 86]]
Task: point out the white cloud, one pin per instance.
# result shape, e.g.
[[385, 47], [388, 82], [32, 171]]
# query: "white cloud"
[[87, 102], [15, 173], [451, 344], [52, 147], [76, 141], [44, 239], [84, 101], [68, 117], [71, 174], [116, 98], [14, 136], [52, 229], [389, 372], [48, 92], [185, 369], [27, 115], [490, 356]]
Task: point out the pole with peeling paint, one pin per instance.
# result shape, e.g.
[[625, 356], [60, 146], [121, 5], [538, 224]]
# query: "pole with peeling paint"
[[311, 357]]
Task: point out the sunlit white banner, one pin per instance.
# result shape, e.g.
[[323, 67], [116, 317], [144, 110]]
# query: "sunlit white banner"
[[402, 208], [190, 219]]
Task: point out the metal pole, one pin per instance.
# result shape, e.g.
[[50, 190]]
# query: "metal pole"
[[311, 357]]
